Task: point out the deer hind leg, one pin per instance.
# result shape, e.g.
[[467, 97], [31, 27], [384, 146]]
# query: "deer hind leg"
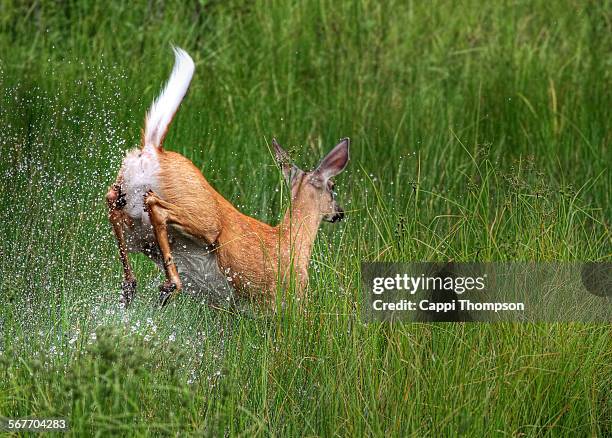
[[115, 200], [159, 220]]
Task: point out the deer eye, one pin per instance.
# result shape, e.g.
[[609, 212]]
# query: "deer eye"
[[330, 188]]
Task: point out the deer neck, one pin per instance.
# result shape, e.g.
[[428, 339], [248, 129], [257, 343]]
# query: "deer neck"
[[299, 229]]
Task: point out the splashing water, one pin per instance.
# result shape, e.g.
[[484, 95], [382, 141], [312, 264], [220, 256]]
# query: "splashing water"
[[59, 264]]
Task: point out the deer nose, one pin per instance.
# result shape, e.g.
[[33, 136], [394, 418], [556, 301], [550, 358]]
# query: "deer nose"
[[338, 216]]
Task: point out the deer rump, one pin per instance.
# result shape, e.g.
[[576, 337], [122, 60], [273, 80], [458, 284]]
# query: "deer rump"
[[143, 171]]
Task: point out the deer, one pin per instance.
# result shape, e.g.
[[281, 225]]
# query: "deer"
[[161, 205]]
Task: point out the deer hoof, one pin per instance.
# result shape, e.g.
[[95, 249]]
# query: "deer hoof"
[[128, 290], [167, 291]]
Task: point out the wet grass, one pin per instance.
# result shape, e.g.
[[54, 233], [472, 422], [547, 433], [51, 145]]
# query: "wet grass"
[[479, 132]]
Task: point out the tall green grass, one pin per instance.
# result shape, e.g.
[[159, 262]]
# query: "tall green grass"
[[480, 131]]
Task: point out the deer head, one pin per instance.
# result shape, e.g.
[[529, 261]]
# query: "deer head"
[[315, 189]]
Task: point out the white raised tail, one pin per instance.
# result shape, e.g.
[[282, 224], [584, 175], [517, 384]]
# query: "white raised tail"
[[164, 108]]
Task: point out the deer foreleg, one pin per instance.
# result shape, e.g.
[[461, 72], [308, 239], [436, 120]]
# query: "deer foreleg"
[[118, 219]]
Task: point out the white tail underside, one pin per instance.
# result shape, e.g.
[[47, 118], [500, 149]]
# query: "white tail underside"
[[164, 107]]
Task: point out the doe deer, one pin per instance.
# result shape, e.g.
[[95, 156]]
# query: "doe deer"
[[161, 205]]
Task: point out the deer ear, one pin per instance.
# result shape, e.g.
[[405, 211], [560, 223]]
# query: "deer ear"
[[335, 161], [284, 161]]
